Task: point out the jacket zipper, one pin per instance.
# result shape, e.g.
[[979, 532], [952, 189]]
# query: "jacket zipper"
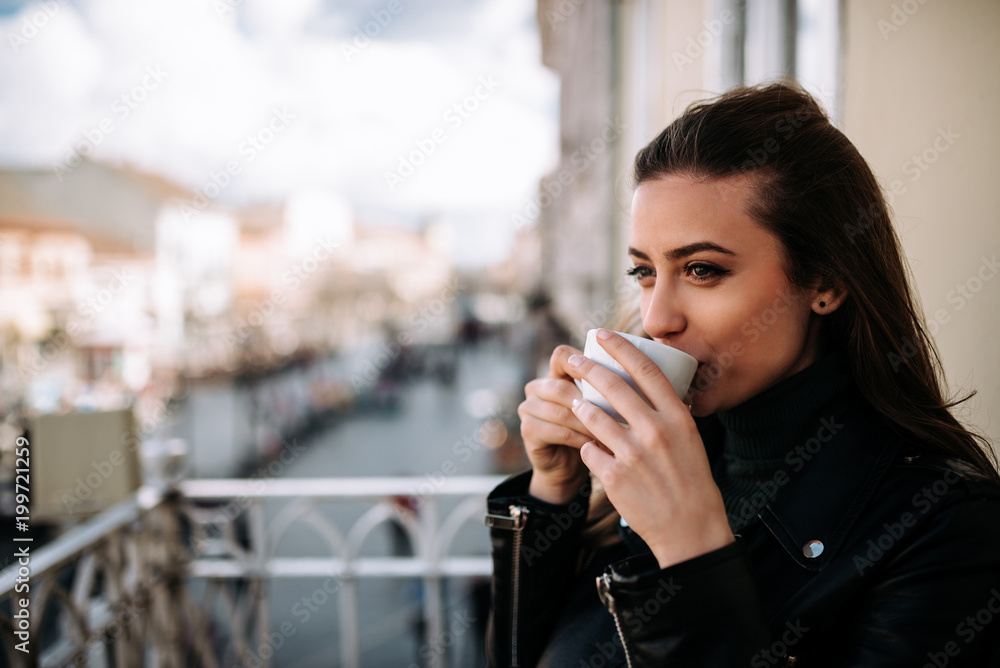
[[516, 521], [604, 591]]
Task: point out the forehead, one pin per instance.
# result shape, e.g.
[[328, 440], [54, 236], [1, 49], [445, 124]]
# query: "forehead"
[[675, 210]]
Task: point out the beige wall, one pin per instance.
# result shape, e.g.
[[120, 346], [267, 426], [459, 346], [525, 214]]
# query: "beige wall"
[[927, 82]]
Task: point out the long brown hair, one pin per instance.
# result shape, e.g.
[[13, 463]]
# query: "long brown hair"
[[816, 194]]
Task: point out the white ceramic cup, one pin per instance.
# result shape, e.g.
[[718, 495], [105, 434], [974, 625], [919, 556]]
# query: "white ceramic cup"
[[676, 365]]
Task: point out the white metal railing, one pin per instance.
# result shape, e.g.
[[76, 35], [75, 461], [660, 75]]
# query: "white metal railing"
[[220, 556], [129, 592]]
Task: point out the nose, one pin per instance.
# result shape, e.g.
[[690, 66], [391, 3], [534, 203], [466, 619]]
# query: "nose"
[[663, 315]]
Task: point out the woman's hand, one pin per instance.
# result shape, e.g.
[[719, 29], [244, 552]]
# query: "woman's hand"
[[655, 471], [552, 434]]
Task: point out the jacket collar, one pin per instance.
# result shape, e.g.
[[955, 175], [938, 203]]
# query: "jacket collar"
[[838, 477], [832, 477]]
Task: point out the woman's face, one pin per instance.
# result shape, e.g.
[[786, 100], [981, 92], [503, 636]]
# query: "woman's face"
[[713, 285]]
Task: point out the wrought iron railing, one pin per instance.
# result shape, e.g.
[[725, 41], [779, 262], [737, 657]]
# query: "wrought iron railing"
[[117, 591]]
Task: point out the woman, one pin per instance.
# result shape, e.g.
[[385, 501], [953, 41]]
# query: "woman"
[[811, 501]]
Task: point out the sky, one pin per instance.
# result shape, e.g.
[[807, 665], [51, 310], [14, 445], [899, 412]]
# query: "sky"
[[413, 108]]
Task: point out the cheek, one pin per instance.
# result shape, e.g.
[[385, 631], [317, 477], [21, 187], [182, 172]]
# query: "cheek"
[[754, 328], [773, 332], [722, 319]]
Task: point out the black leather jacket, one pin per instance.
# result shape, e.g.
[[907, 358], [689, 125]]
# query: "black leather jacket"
[[870, 555]]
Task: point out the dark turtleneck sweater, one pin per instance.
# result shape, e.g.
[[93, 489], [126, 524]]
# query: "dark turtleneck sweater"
[[771, 432]]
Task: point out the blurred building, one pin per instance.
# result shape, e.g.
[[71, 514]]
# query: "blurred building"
[[76, 267], [578, 218], [110, 278]]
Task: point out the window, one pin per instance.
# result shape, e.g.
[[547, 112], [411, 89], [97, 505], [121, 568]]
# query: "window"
[[762, 40]]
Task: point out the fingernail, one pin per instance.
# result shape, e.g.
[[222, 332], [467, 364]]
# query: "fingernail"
[[576, 402], [603, 334], [575, 360]]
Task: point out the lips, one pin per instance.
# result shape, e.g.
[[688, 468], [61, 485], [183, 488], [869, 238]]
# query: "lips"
[[697, 372], [701, 367]]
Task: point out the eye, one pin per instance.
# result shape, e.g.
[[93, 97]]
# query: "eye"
[[639, 272], [702, 272]]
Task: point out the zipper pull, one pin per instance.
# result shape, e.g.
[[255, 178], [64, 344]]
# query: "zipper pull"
[[518, 516], [604, 592]]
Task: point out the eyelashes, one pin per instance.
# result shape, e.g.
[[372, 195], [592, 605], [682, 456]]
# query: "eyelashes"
[[639, 272], [713, 271], [708, 272]]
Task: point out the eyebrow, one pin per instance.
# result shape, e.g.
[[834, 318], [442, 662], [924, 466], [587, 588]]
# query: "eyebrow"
[[684, 251]]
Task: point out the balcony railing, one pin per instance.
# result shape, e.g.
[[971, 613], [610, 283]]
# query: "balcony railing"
[[117, 591]]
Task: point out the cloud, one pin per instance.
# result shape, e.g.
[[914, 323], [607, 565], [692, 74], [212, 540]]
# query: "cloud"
[[227, 71]]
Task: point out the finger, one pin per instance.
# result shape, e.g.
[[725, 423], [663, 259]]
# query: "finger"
[[652, 383], [562, 391], [622, 397], [556, 414], [543, 433], [559, 361], [597, 458], [604, 428]]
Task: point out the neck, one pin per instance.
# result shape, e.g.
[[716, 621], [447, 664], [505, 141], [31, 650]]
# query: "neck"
[[761, 432]]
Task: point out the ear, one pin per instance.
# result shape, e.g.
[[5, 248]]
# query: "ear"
[[827, 300]]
